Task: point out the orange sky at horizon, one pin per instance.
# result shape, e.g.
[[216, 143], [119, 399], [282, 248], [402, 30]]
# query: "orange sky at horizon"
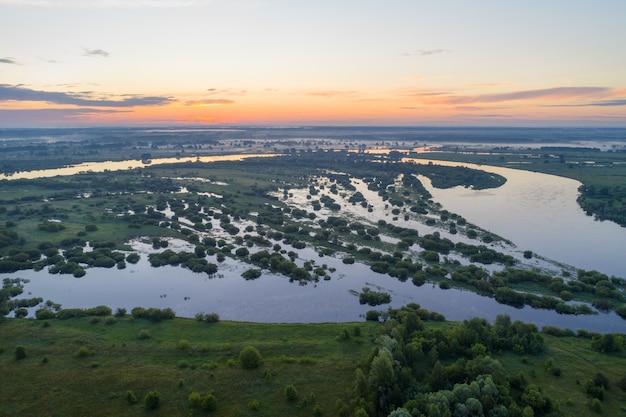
[[145, 62]]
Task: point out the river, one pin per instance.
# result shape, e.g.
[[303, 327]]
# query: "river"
[[536, 211], [539, 212]]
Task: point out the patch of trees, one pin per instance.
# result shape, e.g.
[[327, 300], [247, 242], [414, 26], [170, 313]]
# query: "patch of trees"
[[68, 313], [8, 237], [11, 288], [604, 203], [447, 371], [483, 255], [277, 263], [189, 260], [153, 314], [373, 298]]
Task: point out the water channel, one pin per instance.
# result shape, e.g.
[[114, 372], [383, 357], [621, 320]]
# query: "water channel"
[[536, 211]]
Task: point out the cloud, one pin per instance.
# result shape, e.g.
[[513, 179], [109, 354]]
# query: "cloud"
[[426, 52], [19, 93], [225, 91], [210, 102], [556, 93], [30, 117], [333, 93], [488, 84], [95, 52], [607, 103], [8, 60]]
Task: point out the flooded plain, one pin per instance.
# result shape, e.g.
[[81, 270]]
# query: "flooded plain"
[[536, 212]]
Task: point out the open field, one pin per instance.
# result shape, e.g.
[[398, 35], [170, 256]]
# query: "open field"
[[87, 366]]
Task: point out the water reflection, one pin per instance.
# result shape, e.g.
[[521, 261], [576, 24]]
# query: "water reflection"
[[539, 212], [125, 165], [272, 298]]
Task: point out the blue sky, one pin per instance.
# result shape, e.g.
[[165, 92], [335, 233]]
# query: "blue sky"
[[144, 62]]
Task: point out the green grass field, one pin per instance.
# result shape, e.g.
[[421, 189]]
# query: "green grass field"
[[56, 379], [83, 366]]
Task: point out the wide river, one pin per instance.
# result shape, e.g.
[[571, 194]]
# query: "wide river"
[[539, 212], [535, 211]]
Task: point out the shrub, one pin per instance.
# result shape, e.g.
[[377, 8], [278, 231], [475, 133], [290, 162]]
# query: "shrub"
[[254, 405], [144, 334], [44, 314], [372, 315], [209, 402], [212, 318], [120, 312], [82, 352], [250, 357], [152, 400], [195, 400], [131, 397], [596, 405], [183, 344], [20, 353], [291, 393], [110, 320]]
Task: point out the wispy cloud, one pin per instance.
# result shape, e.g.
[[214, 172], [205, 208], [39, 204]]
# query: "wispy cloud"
[[19, 93], [333, 93], [8, 60], [605, 103], [210, 102], [106, 3], [555, 94], [95, 52], [489, 84], [21, 117], [427, 52]]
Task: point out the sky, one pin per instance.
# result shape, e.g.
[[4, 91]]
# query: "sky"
[[75, 63]]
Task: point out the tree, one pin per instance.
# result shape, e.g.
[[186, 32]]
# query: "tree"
[[250, 357]]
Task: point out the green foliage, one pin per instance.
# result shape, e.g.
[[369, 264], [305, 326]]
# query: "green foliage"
[[131, 397], [195, 400], [20, 353], [183, 344], [144, 334], [373, 298], [250, 357], [83, 352], [209, 402], [152, 400], [252, 273], [291, 393]]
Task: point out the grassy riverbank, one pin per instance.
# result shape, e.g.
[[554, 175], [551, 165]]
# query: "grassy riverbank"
[[87, 366], [78, 367]]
